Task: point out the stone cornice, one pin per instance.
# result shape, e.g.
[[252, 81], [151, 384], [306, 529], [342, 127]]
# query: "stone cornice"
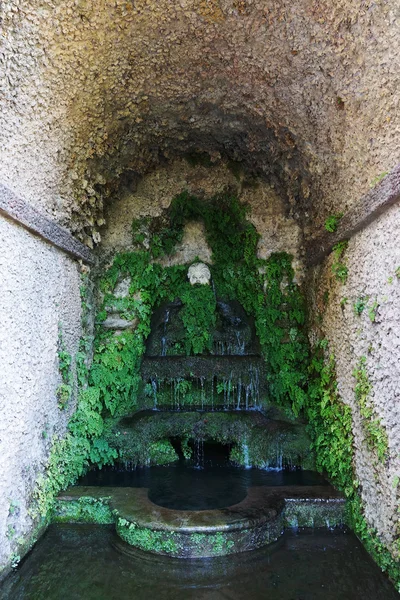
[[364, 212], [19, 211]]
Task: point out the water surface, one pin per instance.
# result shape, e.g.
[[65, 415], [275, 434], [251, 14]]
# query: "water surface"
[[83, 562], [185, 487]]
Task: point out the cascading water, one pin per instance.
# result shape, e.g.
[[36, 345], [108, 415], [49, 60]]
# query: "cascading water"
[[164, 344], [199, 454]]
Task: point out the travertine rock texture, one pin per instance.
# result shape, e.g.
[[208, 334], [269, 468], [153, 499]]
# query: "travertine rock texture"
[[149, 197], [97, 93], [39, 293], [372, 258], [154, 192]]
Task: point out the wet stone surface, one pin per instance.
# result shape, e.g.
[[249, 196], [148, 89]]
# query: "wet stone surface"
[[255, 521]]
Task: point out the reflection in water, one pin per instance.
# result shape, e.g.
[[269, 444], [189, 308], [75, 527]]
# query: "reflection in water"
[[182, 487], [82, 562]]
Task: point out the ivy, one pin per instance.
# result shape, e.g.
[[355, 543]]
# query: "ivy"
[[82, 446], [330, 422], [265, 288], [332, 222], [199, 318], [339, 268], [64, 390]]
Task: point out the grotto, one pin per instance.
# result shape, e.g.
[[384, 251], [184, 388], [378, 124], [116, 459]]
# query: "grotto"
[[200, 299]]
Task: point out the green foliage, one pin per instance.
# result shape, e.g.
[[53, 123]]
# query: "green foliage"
[[70, 456], [372, 311], [330, 423], [115, 370], [264, 288], [339, 268], [14, 507], [84, 509], [199, 318], [359, 305], [332, 222], [15, 559], [162, 453], [161, 542], [375, 434], [64, 391], [397, 272], [63, 394]]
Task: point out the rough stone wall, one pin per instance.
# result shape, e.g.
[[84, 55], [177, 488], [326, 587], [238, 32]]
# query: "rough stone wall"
[[305, 91], [279, 232], [94, 94], [372, 258], [39, 289]]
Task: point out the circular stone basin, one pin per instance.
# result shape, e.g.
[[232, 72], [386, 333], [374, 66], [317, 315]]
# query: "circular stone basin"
[[259, 519]]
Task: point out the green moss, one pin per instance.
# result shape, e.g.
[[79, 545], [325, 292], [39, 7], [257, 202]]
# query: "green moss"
[[330, 426], [135, 439], [360, 305], [83, 510], [339, 267], [161, 542], [64, 391], [332, 222], [314, 514], [162, 453], [218, 544], [375, 434]]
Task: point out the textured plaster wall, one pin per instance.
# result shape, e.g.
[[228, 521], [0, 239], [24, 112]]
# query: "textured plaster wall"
[[153, 194], [39, 289], [305, 91], [372, 258]]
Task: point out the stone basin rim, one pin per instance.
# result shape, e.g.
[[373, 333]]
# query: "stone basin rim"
[[261, 505]]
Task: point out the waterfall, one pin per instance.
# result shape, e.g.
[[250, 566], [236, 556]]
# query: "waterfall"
[[199, 454], [202, 391], [246, 458], [239, 389], [164, 345], [154, 387]]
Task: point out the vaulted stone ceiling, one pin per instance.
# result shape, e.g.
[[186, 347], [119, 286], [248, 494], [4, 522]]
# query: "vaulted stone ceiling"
[[303, 92]]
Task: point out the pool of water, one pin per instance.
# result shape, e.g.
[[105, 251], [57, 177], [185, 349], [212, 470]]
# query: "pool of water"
[[84, 562], [185, 487]]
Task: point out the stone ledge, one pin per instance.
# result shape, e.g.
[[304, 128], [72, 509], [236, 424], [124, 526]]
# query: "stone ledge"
[[19, 211], [259, 519], [367, 209]]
